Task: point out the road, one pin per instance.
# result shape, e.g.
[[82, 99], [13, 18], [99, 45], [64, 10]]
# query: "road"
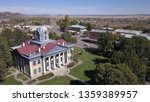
[[81, 40], [56, 28]]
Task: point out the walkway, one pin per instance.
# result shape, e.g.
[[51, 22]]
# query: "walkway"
[[79, 62], [72, 77]]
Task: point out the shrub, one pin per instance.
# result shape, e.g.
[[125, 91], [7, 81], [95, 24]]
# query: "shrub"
[[45, 76], [71, 64], [32, 81], [22, 76]]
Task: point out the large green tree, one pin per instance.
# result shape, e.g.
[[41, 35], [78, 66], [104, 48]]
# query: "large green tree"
[[5, 57], [3, 69], [15, 37], [109, 74], [64, 23]]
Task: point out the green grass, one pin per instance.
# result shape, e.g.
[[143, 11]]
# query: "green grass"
[[31, 81], [8, 73], [58, 81], [12, 69], [45, 76], [22, 76], [88, 64], [10, 81]]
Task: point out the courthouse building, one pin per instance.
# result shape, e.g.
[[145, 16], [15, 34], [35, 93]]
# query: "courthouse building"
[[41, 55]]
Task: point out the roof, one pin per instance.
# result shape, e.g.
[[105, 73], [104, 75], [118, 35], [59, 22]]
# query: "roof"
[[33, 48], [128, 31], [98, 31], [61, 41], [29, 49], [78, 26]]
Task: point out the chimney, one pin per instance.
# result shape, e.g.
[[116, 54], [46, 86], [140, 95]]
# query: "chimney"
[[23, 44], [39, 50], [63, 44], [43, 47]]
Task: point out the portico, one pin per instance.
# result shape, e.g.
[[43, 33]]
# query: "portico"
[[56, 61]]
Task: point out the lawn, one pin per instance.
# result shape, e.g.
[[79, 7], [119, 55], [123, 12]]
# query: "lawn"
[[58, 81], [22, 76], [10, 81], [89, 63]]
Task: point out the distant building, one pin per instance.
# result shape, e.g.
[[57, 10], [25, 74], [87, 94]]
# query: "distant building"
[[95, 33], [108, 29], [31, 28], [41, 55], [128, 33], [77, 29]]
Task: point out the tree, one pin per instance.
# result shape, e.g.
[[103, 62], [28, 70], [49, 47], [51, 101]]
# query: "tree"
[[109, 74], [126, 54], [74, 22], [105, 42], [53, 35], [68, 38], [3, 70], [89, 26], [64, 23], [15, 37], [5, 55]]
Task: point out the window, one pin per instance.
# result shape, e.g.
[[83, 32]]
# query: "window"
[[39, 69], [34, 62], [35, 71], [39, 61], [47, 64]]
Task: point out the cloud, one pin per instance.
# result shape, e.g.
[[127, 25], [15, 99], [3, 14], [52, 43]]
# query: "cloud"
[[30, 10], [73, 11]]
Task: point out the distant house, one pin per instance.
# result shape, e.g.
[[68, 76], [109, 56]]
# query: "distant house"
[[128, 33], [77, 29], [42, 55], [95, 33]]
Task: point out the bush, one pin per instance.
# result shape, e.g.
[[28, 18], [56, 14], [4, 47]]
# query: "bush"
[[76, 60], [22, 76], [71, 64], [12, 69], [32, 81], [45, 76]]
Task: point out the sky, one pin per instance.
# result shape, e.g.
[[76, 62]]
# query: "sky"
[[76, 7]]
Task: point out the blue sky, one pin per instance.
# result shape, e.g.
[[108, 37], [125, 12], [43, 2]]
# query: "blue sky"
[[76, 7]]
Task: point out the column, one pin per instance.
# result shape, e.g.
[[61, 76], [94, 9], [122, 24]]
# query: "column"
[[54, 62], [63, 58], [49, 63], [59, 59], [43, 60], [67, 57]]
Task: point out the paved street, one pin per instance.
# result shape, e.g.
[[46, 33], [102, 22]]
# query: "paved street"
[[82, 42], [81, 39]]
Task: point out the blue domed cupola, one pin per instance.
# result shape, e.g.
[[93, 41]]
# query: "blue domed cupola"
[[42, 34]]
